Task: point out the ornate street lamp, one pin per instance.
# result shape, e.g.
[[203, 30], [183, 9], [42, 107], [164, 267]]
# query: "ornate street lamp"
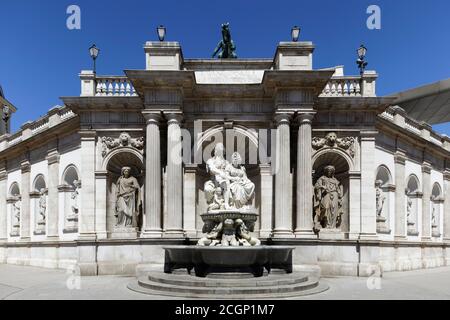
[[362, 64], [6, 113], [94, 51], [295, 33], [161, 30]]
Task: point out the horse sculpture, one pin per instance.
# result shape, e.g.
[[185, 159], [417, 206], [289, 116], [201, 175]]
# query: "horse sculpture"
[[226, 45]]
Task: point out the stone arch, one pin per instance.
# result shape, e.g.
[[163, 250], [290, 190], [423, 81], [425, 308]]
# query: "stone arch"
[[436, 191], [39, 183], [70, 174], [113, 164], [14, 190], [343, 164], [413, 184], [384, 174], [212, 136]]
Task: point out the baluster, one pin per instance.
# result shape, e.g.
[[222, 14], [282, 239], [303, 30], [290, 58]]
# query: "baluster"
[[326, 91], [339, 89], [104, 88], [345, 90], [357, 88], [133, 91], [128, 89], [98, 88], [333, 88], [122, 88], [116, 87], [352, 88], [110, 87]]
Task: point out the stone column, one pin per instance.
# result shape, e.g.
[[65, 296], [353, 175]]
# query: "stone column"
[[25, 206], [174, 223], [446, 214], [189, 201], [152, 220], [283, 182], [86, 224], [52, 218], [100, 207], [3, 205], [266, 201], [400, 196], [368, 197], [426, 212], [304, 227]]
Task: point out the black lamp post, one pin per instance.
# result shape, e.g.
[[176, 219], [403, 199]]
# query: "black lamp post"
[[362, 64], [295, 33], [94, 51], [161, 30]]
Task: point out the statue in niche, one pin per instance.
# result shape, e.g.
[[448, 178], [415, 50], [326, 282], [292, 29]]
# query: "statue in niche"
[[127, 200], [74, 199], [42, 204], [328, 201], [230, 218], [433, 212], [16, 207], [229, 187], [226, 46], [380, 198], [408, 211]]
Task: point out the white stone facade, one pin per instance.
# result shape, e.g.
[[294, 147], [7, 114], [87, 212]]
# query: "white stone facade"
[[65, 154]]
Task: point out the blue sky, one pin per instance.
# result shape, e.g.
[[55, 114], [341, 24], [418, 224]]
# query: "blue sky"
[[40, 58]]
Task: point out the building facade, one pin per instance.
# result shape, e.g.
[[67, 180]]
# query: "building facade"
[[390, 204]]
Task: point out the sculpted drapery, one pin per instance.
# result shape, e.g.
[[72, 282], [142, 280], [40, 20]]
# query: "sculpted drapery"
[[127, 203], [229, 187], [328, 201]]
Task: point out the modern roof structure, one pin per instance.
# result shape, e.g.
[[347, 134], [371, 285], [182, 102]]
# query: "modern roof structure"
[[429, 103]]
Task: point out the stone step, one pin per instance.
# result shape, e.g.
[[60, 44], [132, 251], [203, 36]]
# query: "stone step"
[[311, 286], [216, 281]]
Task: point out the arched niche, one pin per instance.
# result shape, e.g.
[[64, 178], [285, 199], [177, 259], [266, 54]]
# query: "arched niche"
[[70, 175], [436, 208], [385, 197], [14, 190], [115, 162], [236, 138], [70, 198], [413, 203], [342, 165], [39, 183]]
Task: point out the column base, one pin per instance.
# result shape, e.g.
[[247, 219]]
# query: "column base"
[[151, 234], [87, 236], [305, 234], [400, 238], [174, 234], [368, 236], [283, 234]]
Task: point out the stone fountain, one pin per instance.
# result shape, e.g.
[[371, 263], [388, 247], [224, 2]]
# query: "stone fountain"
[[228, 260]]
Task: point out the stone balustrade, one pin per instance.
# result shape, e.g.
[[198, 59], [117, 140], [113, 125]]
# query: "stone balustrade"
[[399, 117], [54, 117], [351, 86], [105, 86]]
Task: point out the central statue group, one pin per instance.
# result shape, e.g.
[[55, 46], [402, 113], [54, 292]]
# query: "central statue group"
[[229, 190]]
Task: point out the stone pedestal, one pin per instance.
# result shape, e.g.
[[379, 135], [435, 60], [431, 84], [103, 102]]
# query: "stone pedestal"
[[331, 234], [40, 229], [382, 226], [71, 224], [124, 233], [435, 231], [412, 229]]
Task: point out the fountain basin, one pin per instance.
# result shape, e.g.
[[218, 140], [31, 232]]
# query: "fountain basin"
[[206, 260]]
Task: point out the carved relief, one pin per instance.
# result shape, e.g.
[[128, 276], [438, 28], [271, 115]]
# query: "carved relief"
[[124, 140], [331, 141]]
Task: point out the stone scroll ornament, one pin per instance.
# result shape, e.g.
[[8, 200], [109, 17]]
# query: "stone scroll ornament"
[[331, 140], [229, 194], [124, 140]]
